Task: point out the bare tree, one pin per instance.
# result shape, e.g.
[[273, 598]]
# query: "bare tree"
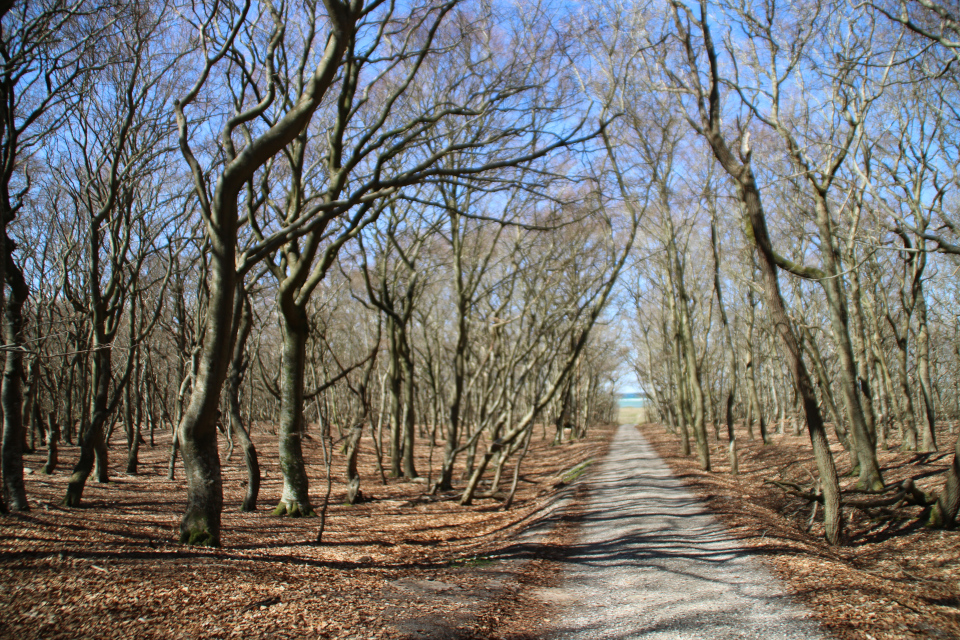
[[225, 34], [113, 167], [705, 105], [45, 48]]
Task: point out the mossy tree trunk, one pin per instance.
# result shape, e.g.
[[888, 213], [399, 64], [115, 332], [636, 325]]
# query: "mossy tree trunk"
[[196, 435]]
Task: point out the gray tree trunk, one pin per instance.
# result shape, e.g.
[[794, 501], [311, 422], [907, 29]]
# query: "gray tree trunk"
[[928, 433], [295, 498], [243, 318], [945, 511]]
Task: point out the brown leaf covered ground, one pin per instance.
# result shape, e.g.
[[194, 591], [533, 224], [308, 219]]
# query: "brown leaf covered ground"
[[402, 565], [896, 579]]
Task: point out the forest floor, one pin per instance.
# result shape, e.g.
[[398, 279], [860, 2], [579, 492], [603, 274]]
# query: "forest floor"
[[400, 565], [407, 565], [894, 579]]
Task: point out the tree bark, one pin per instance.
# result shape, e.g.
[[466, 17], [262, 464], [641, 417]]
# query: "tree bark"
[[354, 495], [243, 317], [198, 429], [396, 402], [863, 353], [92, 444], [908, 414], [826, 393], [30, 405], [945, 511], [53, 441], [14, 490], [409, 408], [196, 434], [928, 433], [681, 411], [131, 431], [295, 499], [826, 468]]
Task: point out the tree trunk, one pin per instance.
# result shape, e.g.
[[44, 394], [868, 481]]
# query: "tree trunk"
[[826, 394], [688, 369], [29, 405], [563, 415], [197, 431], [409, 409], [354, 495], [14, 491], [780, 405], [863, 354], [756, 411], [396, 402], [730, 352], [68, 410], [680, 403], [833, 522], [863, 441], [53, 440], [884, 401], [92, 444], [243, 320], [295, 499], [928, 433], [508, 502], [749, 196], [133, 453], [945, 511], [131, 431], [908, 414]]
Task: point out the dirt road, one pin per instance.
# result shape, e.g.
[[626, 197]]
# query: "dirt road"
[[653, 563]]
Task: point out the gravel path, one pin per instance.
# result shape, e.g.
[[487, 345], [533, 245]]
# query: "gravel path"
[[653, 563]]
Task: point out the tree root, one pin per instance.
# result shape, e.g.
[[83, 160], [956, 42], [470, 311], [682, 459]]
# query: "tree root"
[[293, 510], [889, 499]]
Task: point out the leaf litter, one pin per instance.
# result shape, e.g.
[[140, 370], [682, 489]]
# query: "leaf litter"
[[894, 579], [403, 564]]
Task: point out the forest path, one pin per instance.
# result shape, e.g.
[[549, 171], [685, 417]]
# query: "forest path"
[[652, 562]]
